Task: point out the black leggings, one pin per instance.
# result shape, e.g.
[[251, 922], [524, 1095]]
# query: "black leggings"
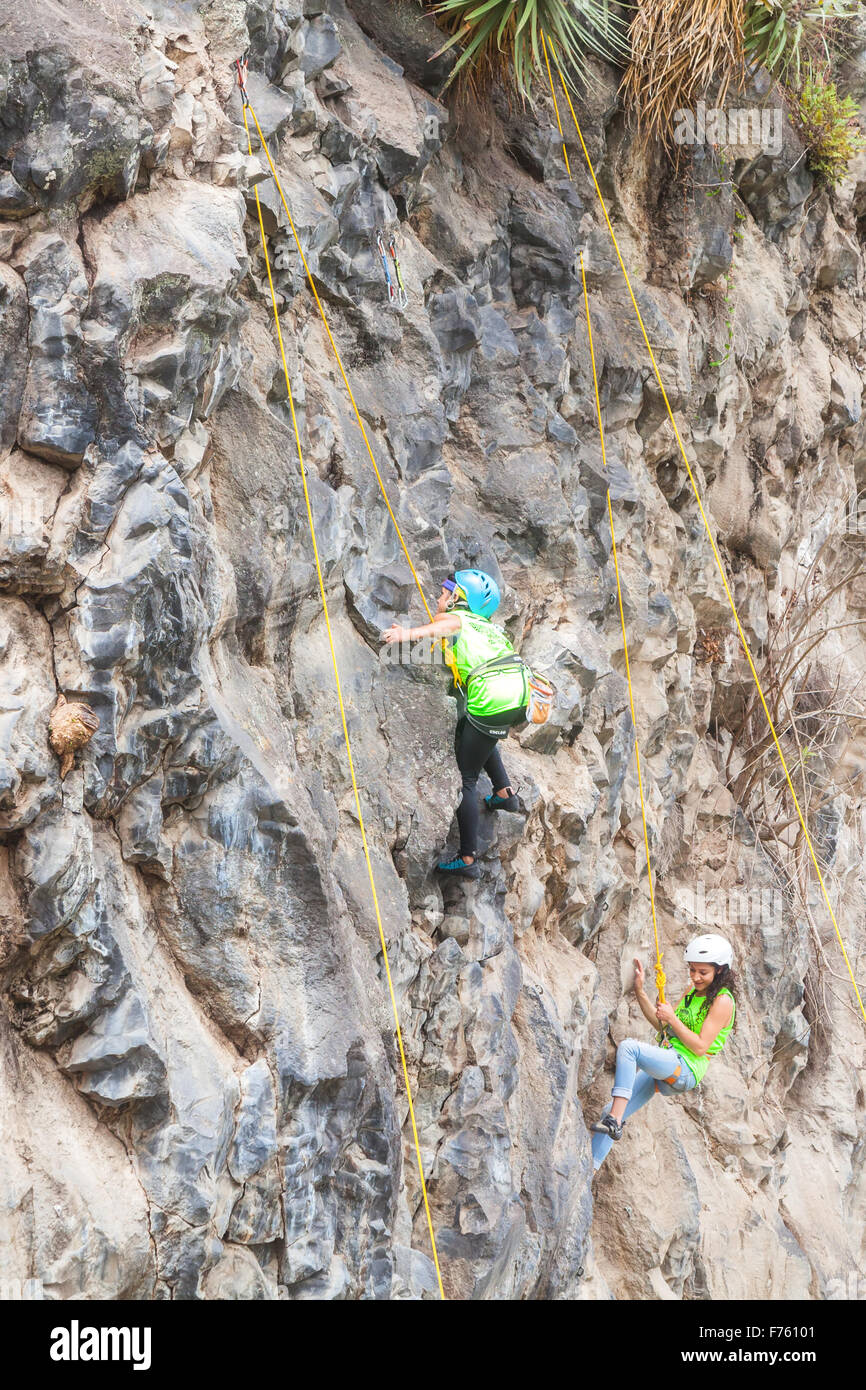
[[476, 750]]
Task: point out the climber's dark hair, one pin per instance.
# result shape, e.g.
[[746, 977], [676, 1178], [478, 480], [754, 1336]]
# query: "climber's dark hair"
[[724, 978]]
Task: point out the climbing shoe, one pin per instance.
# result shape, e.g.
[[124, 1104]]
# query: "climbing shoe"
[[608, 1125], [457, 867], [501, 803]]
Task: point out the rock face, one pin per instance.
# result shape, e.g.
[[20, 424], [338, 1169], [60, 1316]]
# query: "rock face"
[[200, 1093]]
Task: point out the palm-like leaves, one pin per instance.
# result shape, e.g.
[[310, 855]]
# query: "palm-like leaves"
[[501, 38]]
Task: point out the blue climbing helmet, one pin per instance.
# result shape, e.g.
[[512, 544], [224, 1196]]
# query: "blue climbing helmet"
[[482, 592]]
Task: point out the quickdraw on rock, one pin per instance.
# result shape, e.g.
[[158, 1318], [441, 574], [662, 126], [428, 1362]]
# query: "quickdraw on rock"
[[396, 291], [401, 288], [380, 247], [242, 66]]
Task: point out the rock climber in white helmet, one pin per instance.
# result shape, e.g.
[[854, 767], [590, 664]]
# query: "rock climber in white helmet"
[[689, 1036]]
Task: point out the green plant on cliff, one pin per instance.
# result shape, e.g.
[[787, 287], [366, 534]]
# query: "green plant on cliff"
[[783, 35], [829, 127], [501, 39]]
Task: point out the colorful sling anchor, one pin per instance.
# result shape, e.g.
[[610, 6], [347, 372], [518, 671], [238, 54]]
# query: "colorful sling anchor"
[[396, 293], [401, 288]]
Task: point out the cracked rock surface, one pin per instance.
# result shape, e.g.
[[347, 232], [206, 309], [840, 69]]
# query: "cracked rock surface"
[[200, 1093]]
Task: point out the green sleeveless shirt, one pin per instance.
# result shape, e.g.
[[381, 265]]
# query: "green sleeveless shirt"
[[693, 1015], [479, 641]]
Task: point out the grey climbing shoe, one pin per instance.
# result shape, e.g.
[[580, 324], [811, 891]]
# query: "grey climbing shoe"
[[501, 803], [608, 1125]]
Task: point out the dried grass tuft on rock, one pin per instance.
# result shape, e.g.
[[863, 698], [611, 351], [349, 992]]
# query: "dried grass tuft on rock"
[[71, 726]]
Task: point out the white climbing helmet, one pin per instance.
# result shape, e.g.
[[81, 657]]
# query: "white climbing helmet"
[[709, 950]]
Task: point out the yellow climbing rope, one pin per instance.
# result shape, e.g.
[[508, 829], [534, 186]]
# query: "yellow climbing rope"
[[446, 649], [276, 177], [343, 713], [709, 532], [559, 124], [661, 978]]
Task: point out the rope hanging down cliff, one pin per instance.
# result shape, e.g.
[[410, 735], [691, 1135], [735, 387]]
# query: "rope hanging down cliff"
[[322, 595], [547, 42], [661, 978], [247, 106]]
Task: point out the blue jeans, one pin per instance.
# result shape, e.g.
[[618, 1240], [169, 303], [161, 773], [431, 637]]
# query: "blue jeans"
[[654, 1064]]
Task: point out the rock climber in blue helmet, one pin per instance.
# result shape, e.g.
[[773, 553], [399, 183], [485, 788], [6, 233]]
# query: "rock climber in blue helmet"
[[495, 681]]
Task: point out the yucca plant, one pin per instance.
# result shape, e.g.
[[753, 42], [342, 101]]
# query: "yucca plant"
[[501, 38], [784, 35], [679, 49], [830, 128]]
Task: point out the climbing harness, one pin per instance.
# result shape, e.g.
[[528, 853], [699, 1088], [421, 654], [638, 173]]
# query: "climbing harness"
[[669, 1080], [402, 296], [380, 247], [546, 41], [540, 693], [499, 663], [241, 69]]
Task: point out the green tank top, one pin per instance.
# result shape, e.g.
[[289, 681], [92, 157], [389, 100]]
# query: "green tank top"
[[693, 1014], [479, 640]]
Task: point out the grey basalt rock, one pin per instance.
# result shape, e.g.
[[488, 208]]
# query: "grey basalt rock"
[[162, 305], [53, 858], [59, 416], [272, 107], [409, 36], [64, 984], [117, 1061], [316, 44], [28, 769], [322, 1181], [543, 249], [89, 147], [712, 218], [14, 200], [775, 186], [255, 1138], [191, 960], [13, 367], [455, 322]]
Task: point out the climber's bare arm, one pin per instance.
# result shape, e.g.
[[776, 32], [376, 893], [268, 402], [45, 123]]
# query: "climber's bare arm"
[[444, 626], [719, 1016]]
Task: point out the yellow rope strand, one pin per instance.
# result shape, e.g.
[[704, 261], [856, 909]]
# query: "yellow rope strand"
[[713, 545], [338, 357], [661, 978], [556, 109], [345, 726]]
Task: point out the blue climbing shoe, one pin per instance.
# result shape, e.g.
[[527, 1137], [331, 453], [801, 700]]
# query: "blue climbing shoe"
[[493, 802], [458, 868]]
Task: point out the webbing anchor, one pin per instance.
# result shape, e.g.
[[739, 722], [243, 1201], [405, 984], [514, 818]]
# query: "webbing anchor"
[[242, 68]]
